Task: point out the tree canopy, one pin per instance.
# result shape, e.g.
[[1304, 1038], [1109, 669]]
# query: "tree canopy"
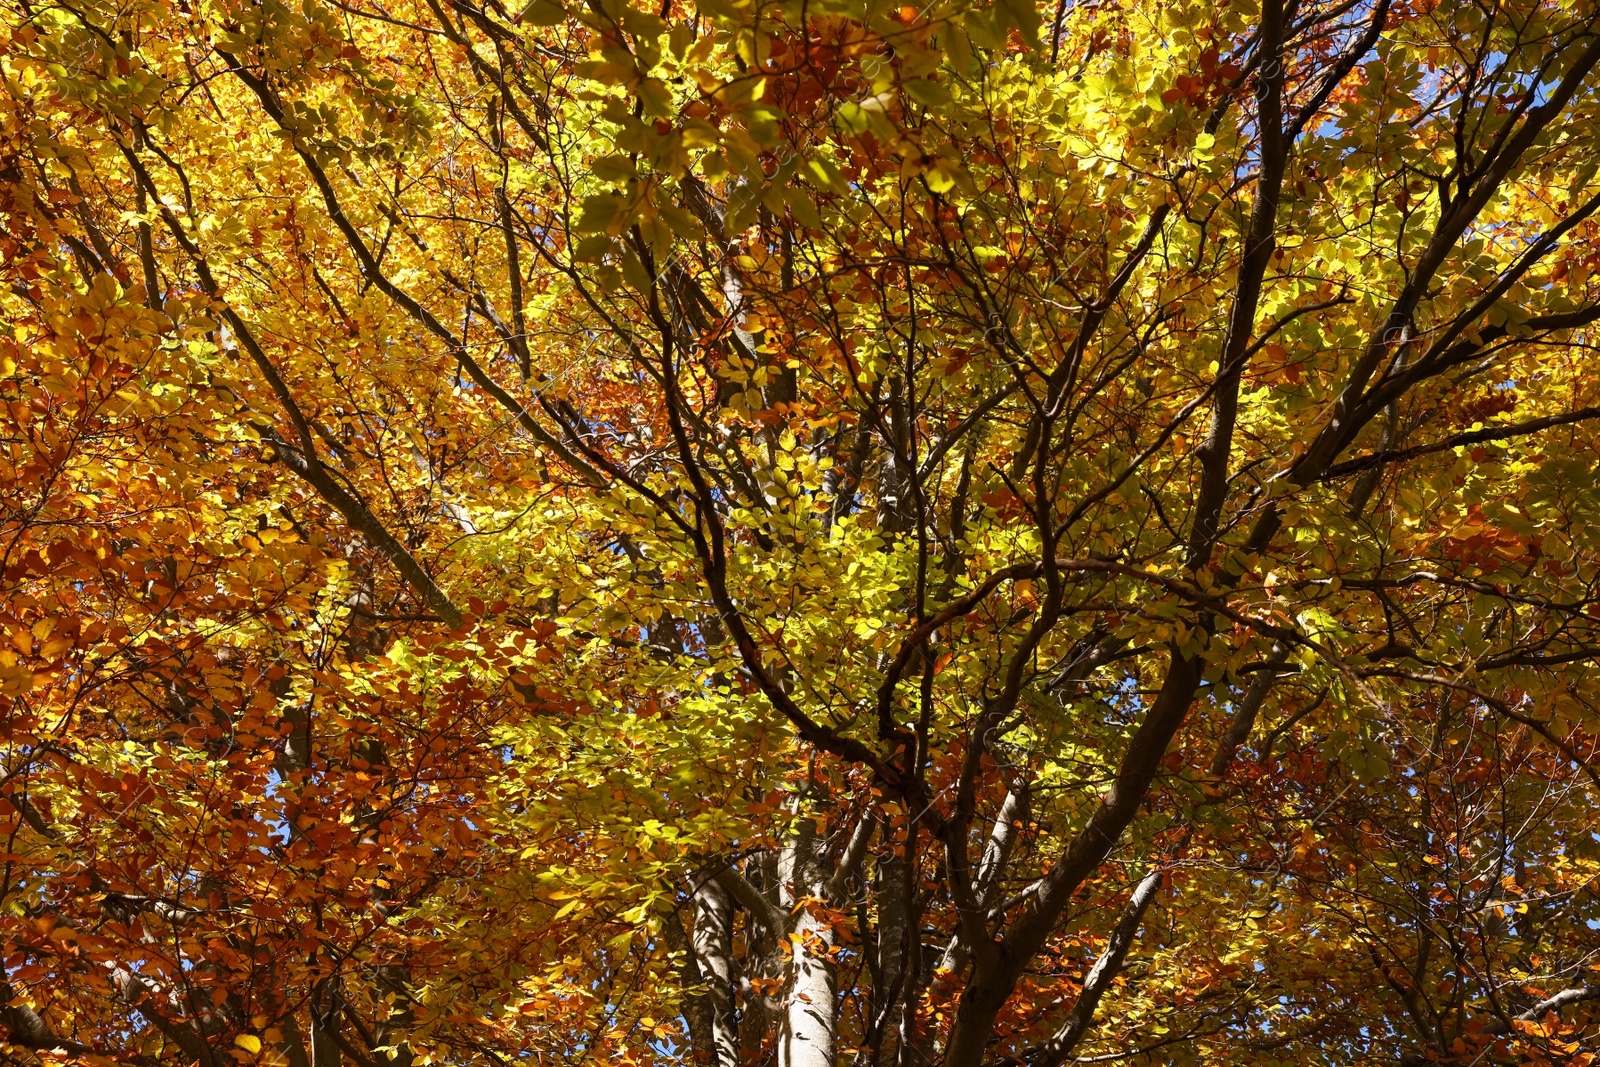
[[801, 532]]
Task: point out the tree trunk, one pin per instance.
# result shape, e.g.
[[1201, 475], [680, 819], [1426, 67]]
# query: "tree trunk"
[[713, 949], [809, 1034]]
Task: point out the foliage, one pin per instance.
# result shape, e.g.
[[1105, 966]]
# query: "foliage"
[[807, 532]]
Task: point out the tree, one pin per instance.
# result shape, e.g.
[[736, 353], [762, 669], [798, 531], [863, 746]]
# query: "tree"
[[805, 533]]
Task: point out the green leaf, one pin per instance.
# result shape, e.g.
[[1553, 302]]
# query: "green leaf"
[[928, 93], [801, 207], [614, 168], [823, 174], [852, 116], [1023, 16], [957, 48], [600, 214]]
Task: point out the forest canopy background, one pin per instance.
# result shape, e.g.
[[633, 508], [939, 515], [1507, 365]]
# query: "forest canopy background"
[[808, 532]]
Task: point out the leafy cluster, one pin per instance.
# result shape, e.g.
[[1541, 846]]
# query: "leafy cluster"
[[805, 532]]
